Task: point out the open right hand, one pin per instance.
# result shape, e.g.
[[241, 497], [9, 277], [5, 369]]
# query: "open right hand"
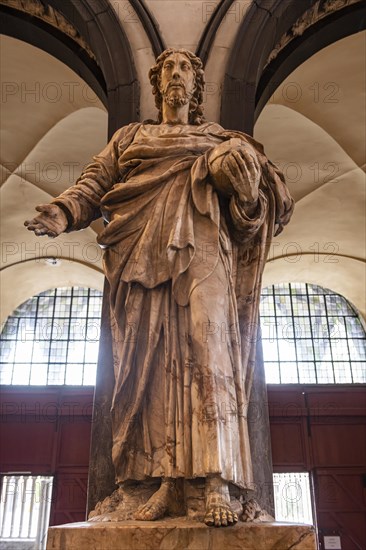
[[51, 221]]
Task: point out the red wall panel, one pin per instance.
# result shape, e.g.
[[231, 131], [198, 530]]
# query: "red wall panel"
[[74, 442], [47, 431], [317, 429], [339, 443]]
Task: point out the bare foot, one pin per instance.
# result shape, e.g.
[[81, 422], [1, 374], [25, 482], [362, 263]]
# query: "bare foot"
[[253, 513], [218, 510], [123, 502], [106, 506], [157, 505]]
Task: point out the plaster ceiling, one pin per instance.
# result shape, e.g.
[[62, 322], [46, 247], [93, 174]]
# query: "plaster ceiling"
[[51, 125], [313, 127]]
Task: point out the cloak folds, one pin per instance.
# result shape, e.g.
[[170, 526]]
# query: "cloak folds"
[[184, 265]]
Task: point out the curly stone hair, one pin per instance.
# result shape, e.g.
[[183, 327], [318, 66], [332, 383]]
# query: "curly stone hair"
[[195, 110]]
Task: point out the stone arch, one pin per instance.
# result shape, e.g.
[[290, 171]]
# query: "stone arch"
[[90, 40], [250, 77]]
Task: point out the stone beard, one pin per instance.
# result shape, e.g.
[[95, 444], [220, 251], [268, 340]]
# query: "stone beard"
[[175, 99], [191, 209]]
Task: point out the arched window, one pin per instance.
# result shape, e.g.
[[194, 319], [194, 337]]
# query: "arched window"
[[311, 335], [52, 339]]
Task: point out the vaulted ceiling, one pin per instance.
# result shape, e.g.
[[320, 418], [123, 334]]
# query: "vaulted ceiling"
[[312, 127]]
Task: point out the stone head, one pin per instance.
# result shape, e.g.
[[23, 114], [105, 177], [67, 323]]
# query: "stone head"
[[176, 70]]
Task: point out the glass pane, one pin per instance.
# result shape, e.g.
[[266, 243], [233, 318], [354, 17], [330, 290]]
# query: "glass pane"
[[45, 306], [337, 305], [307, 373], [354, 327], [56, 374], [305, 350], [91, 351], [63, 306], [289, 373], [316, 305], [38, 374], [267, 306], [60, 328], [7, 351], [357, 349], [325, 373], [90, 373], [342, 372], [26, 329], [337, 327], [40, 352], [94, 306], [322, 349], [359, 372], [285, 328], [79, 306], [76, 352], [43, 328], [268, 326], [23, 351], [58, 351], [300, 306], [270, 351], [92, 332], [286, 351], [303, 327], [283, 305], [74, 374], [340, 350], [10, 329], [21, 374], [272, 373], [6, 373], [319, 327]]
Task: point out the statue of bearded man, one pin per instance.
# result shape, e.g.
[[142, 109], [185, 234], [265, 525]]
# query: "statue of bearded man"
[[190, 211]]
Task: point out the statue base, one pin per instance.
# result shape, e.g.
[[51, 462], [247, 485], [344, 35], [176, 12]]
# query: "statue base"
[[180, 534]]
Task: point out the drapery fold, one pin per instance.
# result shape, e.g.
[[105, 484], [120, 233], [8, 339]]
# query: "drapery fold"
[[184, 266]]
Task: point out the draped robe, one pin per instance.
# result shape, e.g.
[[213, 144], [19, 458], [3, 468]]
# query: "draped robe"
[[184, 266]]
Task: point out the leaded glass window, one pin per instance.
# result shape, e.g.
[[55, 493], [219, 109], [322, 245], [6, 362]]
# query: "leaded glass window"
[[52, 339], [311, 335]]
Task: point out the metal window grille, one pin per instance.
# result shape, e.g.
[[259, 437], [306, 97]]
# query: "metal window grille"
[[311, 335], [25, 511], [292, 497], [52, 339]]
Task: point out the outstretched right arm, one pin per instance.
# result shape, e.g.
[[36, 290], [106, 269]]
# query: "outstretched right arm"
[[52, 221], [79, 205]]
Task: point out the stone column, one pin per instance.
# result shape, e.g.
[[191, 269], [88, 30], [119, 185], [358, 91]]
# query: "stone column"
[[101, 471], [259, 434]]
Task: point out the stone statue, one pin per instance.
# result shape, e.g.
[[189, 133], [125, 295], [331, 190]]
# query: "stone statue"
[[190, 211]]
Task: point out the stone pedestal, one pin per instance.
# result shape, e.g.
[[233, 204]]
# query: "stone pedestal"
[[180, 534]]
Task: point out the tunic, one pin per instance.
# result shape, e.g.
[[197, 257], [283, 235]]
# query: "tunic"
[[184, 266]]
